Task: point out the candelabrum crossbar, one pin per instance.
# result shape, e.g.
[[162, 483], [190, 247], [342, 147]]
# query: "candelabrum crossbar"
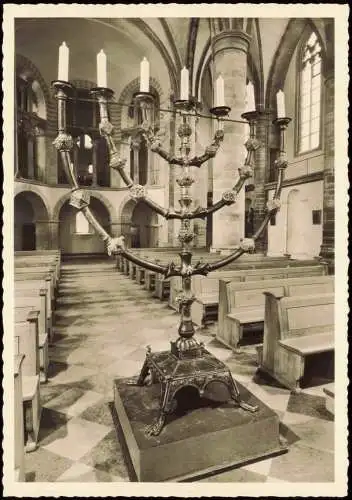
[[188, 363]]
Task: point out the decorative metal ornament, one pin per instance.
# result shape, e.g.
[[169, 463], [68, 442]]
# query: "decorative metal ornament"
[[138, 192], [79, 199]]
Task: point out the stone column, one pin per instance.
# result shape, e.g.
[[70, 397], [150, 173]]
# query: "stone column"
[[42, 235], [230, 54], [95, 162], [51, 162], [116, 229], [53, 226], [135, 149], [328, 244], [260, 177], [30, 155]]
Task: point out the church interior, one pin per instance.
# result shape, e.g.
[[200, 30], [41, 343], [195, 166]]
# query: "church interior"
[[101, 312]]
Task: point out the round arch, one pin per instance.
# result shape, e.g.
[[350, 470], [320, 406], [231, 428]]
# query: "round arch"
[[281, 61], [75, 234], [139, 224], [96, 194], [36, 195], [27, 70], [126, 96], [31, 217]]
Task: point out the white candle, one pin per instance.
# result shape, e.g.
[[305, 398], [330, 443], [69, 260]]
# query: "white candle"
[[280, 101], [101, 69], [220, 92], [63, 62], [184, 84], [144, 83], [250, 105]]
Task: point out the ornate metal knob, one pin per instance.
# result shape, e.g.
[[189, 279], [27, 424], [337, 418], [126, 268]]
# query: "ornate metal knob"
[[137, 191], [63, 142], [273, 204], [79, 199], [105, 128], [229, 197], [247, 244]]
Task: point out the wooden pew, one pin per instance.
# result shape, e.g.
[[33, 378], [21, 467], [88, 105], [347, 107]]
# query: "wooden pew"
[[18, 419], [45, 277], [24, 298], [28, 253], [206, 288], [26, 343], [35, 273], [242, 304], [21, 314], [35, 262], [34, 288], [294, 328]]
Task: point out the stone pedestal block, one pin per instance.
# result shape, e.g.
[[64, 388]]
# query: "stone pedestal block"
[[208, 437]]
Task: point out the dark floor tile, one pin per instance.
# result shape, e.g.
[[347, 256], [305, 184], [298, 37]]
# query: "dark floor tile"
[[286, 432], [56, 367], [45, 466], [49, 391], [307, 404], [107, 456], [99, 413], [51, 420], [66, 399]]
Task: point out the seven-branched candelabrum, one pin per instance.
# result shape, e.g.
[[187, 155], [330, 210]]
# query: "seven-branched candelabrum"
[[80, 198]]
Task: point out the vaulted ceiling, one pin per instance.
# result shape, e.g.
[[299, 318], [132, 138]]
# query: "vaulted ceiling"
[[169, 44]]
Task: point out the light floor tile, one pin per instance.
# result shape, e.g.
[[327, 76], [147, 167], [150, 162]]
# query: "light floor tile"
[[275, 401], [80, 436], [290, 418], [260, 467]]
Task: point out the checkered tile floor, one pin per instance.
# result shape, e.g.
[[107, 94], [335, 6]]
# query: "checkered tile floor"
[[102, 326]]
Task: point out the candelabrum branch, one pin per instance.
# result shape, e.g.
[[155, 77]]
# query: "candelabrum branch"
[[210, 151]]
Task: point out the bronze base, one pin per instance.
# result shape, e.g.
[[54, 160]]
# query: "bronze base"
[[197, 368]]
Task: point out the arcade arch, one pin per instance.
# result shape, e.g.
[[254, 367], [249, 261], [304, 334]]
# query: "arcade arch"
[[31, 218]]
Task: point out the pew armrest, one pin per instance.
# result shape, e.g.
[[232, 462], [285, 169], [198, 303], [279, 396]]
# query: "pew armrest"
[[29, 387]]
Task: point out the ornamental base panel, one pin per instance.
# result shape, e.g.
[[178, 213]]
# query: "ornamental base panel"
[[203, 437]]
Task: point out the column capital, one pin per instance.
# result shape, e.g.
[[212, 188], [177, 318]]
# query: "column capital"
[[231, 40]]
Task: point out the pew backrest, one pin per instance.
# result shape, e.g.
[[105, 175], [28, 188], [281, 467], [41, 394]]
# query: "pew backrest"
[[210, 284], [251, 293], [26, 333], [306, 315]]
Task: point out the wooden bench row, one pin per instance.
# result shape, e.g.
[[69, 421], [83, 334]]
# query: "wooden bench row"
[[36, 280], [242, 304], [207, 289]]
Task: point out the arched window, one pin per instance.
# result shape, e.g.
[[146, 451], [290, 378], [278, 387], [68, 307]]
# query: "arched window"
[[82, 225], [310, 84]]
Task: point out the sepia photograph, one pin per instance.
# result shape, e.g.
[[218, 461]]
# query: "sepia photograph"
[[173, 227]]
